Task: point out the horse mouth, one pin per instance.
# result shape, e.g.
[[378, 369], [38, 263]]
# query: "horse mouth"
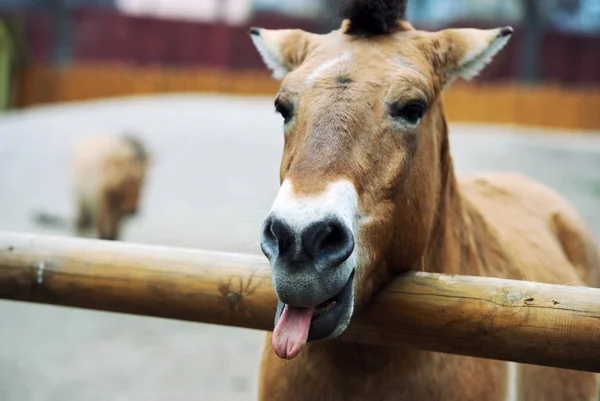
[[329, 314], [324, 307], [295, 326]]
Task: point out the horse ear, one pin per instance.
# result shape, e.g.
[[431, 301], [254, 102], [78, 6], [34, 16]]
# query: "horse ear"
[[282, 50], [464, 53]]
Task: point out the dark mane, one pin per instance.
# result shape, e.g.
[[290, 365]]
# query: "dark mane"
[[373, 17], [136, 144]]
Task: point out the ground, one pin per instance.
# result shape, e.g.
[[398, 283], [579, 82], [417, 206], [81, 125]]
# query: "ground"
[[214, 175]]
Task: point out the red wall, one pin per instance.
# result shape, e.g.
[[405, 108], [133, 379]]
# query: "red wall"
[[103, 35]]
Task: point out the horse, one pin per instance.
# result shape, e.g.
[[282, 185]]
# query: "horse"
[[108, 175], [368, 191]]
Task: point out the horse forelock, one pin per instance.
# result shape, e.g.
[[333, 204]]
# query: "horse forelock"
[[373, 17]]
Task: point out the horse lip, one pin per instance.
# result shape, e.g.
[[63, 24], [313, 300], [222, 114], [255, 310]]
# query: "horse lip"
[[327, 323], [329, 320]]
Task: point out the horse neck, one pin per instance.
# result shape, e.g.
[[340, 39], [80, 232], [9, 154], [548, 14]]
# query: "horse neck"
[[453, 247]]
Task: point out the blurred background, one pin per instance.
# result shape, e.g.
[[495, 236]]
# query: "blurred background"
[[186, 78]]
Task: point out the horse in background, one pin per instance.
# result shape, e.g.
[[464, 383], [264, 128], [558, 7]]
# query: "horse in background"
[[108, 176]]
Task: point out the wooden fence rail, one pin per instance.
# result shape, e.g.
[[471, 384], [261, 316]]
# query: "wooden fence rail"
[[512, 320]]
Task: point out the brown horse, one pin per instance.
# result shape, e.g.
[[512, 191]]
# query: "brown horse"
[[368, 191], [108, 174]]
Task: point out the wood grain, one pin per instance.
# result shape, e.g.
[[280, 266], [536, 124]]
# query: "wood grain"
[[484, 317]]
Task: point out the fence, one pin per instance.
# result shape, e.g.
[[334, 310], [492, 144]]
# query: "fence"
[[485, 317], [545, 106], [142, 55]]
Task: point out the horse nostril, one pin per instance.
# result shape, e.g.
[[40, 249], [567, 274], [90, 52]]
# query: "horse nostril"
[[277, 237], [329, 242], [332, 237]]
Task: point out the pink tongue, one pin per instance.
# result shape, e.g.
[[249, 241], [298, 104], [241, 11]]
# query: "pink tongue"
[[291, 331]]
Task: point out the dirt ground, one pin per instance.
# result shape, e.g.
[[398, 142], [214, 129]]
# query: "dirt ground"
[[214, 175]]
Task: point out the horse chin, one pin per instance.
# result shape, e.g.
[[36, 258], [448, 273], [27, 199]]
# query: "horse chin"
[[332, 317]]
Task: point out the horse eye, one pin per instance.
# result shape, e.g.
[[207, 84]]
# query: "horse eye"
[[285, 109], [410, 112]]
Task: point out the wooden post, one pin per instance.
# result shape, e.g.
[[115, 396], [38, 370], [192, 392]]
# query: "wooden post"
[[484, 317]]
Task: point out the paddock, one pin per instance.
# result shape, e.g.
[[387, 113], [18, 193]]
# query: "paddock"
[[143, 358]]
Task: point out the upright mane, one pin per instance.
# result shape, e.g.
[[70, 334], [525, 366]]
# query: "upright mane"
[[373, 17]]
